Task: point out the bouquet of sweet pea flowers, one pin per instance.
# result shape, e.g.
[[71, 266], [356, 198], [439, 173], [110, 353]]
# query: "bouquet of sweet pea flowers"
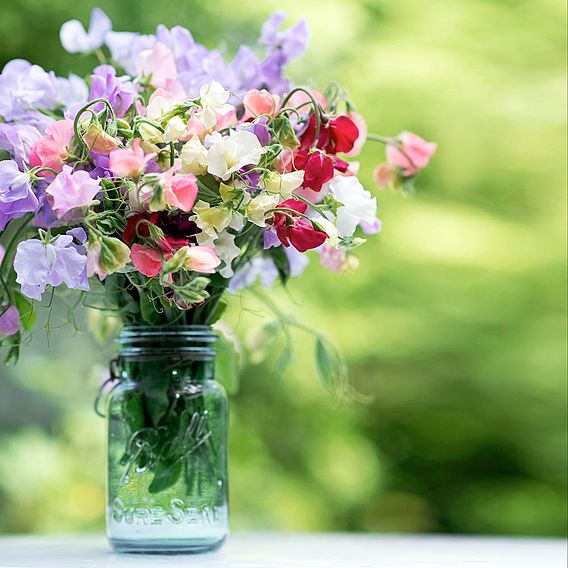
[[170, 176]]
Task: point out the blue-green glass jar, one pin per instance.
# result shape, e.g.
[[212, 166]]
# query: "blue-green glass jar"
[[167, 443]]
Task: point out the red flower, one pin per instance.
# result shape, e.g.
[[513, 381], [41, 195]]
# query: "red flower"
[[336, 135], [134, 228], [294, 230], [146, 260], [317, 166]]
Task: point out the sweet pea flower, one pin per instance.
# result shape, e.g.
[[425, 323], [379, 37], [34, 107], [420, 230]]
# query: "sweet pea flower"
[[9, 320], [39, 264], [259, 103], [227, 251], [147, 260], [158, 64], [16, 195], [229, 154], [194, 157], [356, 204], [119, 91], [283, 184], [70, 190], [294, 229], [98, 140], [258, 209], [129, 162], [18, 139], [332, 258], [51, 150], [106, 255], [361, 125], [214, 101], [371, 228], [410, 153], [200, 259], [385, 175], [75, 39], [318, 168], [180, 190]]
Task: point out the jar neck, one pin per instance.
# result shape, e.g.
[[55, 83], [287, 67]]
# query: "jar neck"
[[166, 354], [190, 342]]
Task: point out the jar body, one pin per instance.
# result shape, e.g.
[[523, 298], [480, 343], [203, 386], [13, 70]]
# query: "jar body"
[[167, 453]]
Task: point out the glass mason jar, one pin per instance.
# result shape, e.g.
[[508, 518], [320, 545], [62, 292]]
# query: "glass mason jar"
[[167, 443]]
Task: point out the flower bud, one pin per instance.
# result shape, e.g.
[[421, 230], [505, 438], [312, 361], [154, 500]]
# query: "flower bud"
[[114, 254]]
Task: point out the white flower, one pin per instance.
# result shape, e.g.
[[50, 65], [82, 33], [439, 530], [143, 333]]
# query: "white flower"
[[259, 206], [75, 39], [330, 229], [284, 184], [227, 251], [358, 205], [213, 98], [175, 128], [194, 157], [230, 154]]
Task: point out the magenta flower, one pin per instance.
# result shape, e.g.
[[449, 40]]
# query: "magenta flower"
[[39, 264], [70, 190]]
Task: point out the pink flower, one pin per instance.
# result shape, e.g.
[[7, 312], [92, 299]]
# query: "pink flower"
[[201, 259], [180, 190], [385, 175], [261, 102], [70, 190], [361, 125], [98, 140], [147, 260], [332, 258], [157, 63], [129, 162], [51, 150], [9, 320], [226, 120], [412, 153]]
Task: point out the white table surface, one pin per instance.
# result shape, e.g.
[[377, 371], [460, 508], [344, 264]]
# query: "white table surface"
[[278, 550]]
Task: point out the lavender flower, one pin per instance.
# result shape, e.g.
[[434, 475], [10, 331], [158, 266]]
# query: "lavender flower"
[[23, 89], [39, 264], [17, 139], [75, 39], [119, 91], [9, 320], [125, 46], [16, 195]]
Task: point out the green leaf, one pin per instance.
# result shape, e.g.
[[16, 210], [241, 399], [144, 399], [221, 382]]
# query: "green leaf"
[[157, 403], [134, 413], [227, 364], [26, 310], [148, 310], [165, 475], [280, 259], [330, 366]]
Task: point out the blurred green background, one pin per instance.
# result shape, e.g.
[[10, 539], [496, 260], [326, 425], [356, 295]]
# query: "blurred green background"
[[455, 322]]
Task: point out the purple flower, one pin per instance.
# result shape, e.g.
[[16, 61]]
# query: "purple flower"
[[75, 39], [9, 320], [73, 93], [39, 264], [292, 42], [119, 91], [125, 46], [263, 269], [18, 140], [371, 228], [245, 69], [16, 195], [260, 130], [23, 89], [70, 190], [44, 217], [282, 47], [270, 240]]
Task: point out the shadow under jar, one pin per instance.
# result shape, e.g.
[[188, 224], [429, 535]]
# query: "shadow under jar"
[[167, 443]]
